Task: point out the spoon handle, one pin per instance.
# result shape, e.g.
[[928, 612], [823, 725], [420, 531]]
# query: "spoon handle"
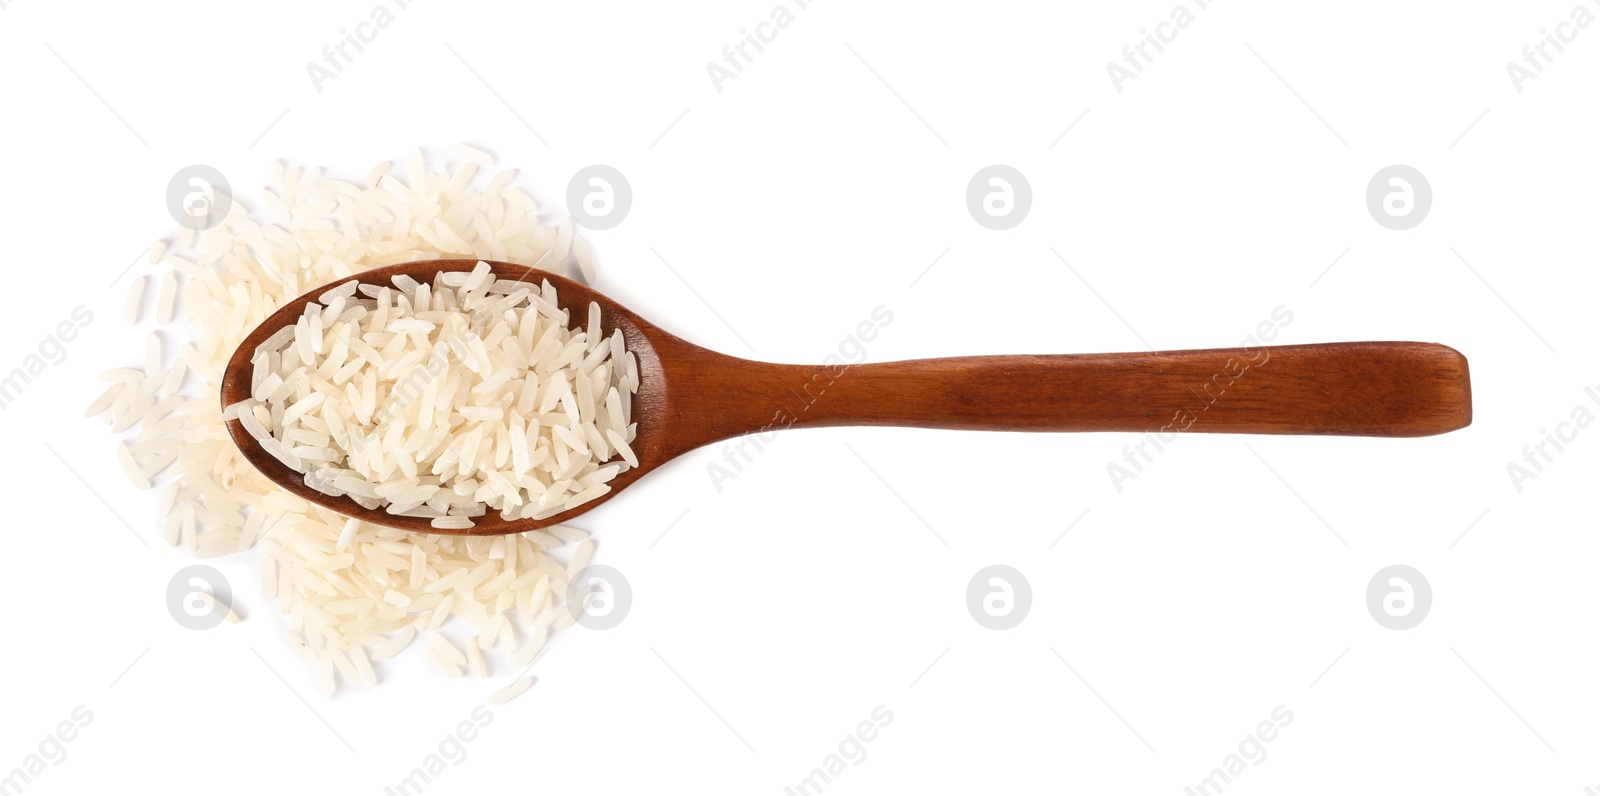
[[1383, 389]]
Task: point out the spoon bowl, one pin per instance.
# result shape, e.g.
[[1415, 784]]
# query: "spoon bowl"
[[639, 335], [689, 396]]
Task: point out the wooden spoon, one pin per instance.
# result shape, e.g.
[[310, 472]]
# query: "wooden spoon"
[[689, 396]]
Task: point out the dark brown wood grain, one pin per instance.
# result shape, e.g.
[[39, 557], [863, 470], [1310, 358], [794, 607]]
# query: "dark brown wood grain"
[[690, 396]]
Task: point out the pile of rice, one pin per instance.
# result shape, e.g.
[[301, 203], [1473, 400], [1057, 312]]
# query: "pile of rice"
[[436, 399], [351, 593]]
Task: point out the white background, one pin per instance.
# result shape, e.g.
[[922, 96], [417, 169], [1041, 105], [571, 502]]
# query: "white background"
[[822, 182]]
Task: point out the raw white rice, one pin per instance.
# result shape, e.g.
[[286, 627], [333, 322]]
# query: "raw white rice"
[[448, 362], [442, 665], [472, 153], [580, 558], [525, 654], [510, 692], [583, 253], [135, 301], [165, 303], [475, 662], [348, 595], [440, 644], [131, 467]]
